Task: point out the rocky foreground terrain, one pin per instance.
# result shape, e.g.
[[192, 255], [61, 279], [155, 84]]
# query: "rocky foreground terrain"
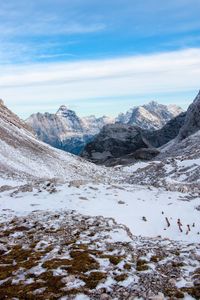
[[54, 255], [74, 230]]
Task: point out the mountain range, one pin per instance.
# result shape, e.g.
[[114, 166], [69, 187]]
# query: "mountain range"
[[150, 116], [123, 144], [65, 130], [73, 230], [177, 167], [23, 156]]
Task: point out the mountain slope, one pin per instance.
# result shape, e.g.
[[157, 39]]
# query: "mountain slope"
[[101, 237], [167, 133], [23, 156], [177, 167], [65, 130], [188, 140], [192, 121], [114, 141], [123, 144], [149, 116]]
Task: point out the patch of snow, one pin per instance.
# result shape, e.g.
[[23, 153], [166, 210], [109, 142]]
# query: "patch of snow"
[[144, 210]]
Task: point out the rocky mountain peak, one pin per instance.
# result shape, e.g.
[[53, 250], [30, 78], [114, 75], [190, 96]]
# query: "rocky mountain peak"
[[197, 97], [192, 120], [152, 103], [63, 111], [149, 116], [63, 108], [65, 129], [70, 118]]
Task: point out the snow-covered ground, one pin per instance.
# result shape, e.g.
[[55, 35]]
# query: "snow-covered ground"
[[10, 182], [70, 228], [173, 174], [128, 234], [145, 211]]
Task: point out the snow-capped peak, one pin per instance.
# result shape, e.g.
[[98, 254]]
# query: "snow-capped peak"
[[149, 116], [63, 111]]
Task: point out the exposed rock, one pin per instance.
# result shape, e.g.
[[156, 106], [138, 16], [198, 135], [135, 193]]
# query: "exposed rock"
[[188, 139], [115, 141], [167, 133], [177, 167], [146, 153], [65, 130], [160, 296], [63, 254], [123, 144], [23, 156], [192, 120], [150, 116]]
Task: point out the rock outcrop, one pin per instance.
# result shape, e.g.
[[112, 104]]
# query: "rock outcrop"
[[115, 141]]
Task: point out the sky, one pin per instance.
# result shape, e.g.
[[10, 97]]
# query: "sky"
[[98, 57]]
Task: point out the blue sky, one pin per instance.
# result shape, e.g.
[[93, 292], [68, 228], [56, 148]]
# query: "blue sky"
[[98, 57]]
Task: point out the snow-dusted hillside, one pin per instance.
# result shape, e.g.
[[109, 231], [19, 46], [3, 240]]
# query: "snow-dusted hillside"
[[73, 231], [23, 156], [172, 174], [149, 116]]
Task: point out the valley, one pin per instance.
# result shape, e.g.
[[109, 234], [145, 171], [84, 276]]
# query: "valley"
[[71, 229]]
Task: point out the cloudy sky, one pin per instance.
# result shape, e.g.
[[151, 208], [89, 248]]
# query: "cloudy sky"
[[98, 57]]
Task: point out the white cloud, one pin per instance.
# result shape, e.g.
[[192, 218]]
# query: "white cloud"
[[56, 83]]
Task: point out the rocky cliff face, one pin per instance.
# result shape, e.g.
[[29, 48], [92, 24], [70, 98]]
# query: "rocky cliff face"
[[65, 130], [113, 142], [177, 167], [123, 143], [192, 120], [167, 133], [188, 140], [151, 116]]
